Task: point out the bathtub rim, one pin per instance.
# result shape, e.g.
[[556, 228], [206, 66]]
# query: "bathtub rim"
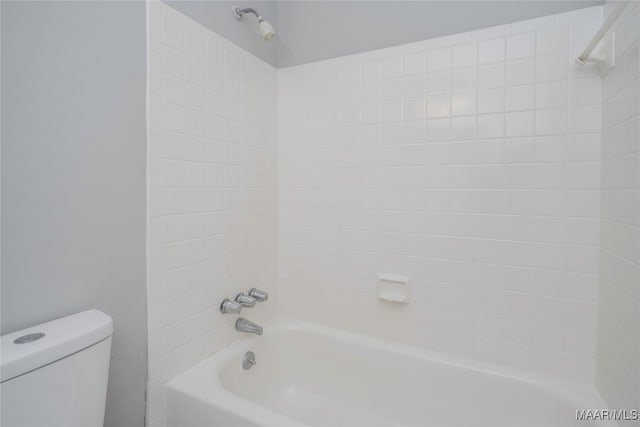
[[582, 395]]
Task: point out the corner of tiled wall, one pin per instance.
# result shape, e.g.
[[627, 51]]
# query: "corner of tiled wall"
[[211, 192], [618, 373]]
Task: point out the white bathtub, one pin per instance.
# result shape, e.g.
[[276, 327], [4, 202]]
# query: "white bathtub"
[[310, 375]]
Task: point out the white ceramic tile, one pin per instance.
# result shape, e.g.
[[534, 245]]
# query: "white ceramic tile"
[[196, 71], [462, 128], [463, 79], [392, 89], [195, 44], [585, 118], [414, 86], [415, 63], [194, 97], [520, 98], [413, 109], [521, 45], [491, 76], [173, 117], [552, 67], [519, 123], [173, 61], [463, 103], [586, 91], [491, 51], [173, 89], [173, 29], [464, 55], [439, 59], [370, 92], [551, 121], [520, 72], [490, 125], [439, 82], [491, 101], [552, 94], [392, 67], [438, 106], [552, 40], [391, 111], [371, 71]]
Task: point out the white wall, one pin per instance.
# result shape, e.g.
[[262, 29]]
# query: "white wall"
[[73, 181], [211, 197], [618, 376], [469, 163]]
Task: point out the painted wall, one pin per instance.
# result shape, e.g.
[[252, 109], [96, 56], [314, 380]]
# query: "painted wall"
[[618, 376], [469, 163], [212, 195], [73, 186], [315, 30], [216, 15]]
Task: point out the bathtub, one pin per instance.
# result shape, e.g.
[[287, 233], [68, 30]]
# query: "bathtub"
[[310, 375]]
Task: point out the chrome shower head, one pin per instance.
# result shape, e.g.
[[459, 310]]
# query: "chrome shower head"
[[266, 30]]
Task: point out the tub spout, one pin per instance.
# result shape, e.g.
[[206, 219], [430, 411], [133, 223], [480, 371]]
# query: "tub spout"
[[244, 325]]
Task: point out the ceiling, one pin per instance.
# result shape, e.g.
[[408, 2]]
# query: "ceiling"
[[314, 30]]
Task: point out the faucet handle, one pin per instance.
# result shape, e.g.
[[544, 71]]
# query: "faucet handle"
[[245, 300], [231, 307], [259, 295]]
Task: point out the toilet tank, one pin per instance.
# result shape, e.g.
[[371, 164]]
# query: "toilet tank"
[[55, 374]]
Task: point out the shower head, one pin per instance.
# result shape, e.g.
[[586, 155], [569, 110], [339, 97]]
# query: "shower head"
[[267, 32]]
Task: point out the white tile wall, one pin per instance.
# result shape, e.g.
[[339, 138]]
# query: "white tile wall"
[[618, 352], [469, 163], [212, 200]]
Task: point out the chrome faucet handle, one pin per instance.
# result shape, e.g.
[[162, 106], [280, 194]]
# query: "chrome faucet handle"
[[231, 307], [260, 296], [245, 300]]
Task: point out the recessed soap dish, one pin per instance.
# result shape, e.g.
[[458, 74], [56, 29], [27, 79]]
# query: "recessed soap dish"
[[392, 287]]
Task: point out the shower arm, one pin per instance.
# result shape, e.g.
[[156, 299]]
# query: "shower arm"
[[239, 13]]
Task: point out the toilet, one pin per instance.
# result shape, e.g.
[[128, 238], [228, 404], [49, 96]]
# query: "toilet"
[[56, 373]]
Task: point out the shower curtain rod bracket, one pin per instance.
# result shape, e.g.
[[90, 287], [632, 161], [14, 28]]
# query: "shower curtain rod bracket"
[[603, 55], [601, 48]]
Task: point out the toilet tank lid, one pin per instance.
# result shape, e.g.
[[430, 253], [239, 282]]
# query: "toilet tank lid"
[[62, 337]]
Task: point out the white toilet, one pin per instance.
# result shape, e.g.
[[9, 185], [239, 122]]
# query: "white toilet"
[[55, 374]]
